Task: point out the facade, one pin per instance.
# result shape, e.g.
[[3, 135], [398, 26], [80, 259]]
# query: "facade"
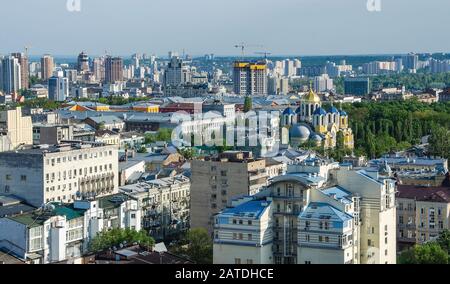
[[113, 69], [51, 134], [16, 128], [347, 218], [323, 83], [358, 86], [24, 74], [61, 173], [177, 72], [58, 88], [10, 73], [47, 66], [422, 214], [250, 78], [216, 181], [164, 204], [107, 137], [245, 232], [61, 233]]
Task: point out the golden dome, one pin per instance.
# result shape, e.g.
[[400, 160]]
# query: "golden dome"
[[311, 97]]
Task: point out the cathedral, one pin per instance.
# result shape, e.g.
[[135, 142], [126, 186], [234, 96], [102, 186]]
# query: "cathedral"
[[310, 122]]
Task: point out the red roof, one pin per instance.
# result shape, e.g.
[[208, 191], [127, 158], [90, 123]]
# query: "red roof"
[[421, 193]]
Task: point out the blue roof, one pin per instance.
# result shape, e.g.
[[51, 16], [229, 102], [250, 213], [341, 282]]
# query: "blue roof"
[[320, 111], [253, 208], [343, 113], [341, 194], [298, 110], [288, 111], [319, 210], [334, 110]]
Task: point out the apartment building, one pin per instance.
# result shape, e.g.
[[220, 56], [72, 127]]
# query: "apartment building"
[[164, 204], [16, 128], [245, 232], [422, 214], [61, 233], [51, 133], [215, 181], [347, 218], [62, 173]]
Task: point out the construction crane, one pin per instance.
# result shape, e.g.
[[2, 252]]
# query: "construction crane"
[[243, 46], [265, 53]]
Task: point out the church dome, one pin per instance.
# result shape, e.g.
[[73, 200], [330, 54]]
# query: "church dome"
[[320, 111], [343, 113], [288, 111], [311, 97], [298, 110], [316, 137], [334, 110], [300, 131]]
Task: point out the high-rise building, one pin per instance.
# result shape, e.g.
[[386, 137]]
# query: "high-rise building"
[[24, 74], [216, 181], [83, 63], [322, 83], [357, 86], [177, 72], [58, 87], [113, 69], [411, 61], [10, 75], [277, 85], [250, 78], [47, 66], [99, 69]]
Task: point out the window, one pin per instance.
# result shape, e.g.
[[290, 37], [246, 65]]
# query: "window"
[[23, 178], [249, 261], [400, 206], [234, 221], [250, 222], [234, 236], [249, 237], [307, 262], [240, 222], [400, 219], [327, 239], [237, 261], [8, 177], [241, 236], [320, 239], [441, 225]]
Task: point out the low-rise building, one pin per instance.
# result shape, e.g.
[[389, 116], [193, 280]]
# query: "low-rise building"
[[63, 173], [165, 204], [59, 232], [422, 214]]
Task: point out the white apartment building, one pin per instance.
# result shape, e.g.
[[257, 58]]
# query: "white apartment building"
[[61, 173], [164, 204], [61, 233], [347, 218], [245, 232]]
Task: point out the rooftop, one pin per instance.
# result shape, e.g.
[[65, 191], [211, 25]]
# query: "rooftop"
[[319, 210], [420, 193], [251, 209]]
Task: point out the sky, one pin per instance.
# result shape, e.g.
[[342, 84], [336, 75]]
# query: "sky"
[[282, 27]]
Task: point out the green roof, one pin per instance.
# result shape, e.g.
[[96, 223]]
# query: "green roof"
[[36, 218]]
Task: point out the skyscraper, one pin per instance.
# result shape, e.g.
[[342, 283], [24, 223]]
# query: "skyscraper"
[[411, 61], [47, 66], [176, 73], [58, 87], [113, 69], [24, 74], [250, 78], [83, 63], [10, 75], [99, 68]]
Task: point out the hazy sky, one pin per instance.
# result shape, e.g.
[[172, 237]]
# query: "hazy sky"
[[284, 27]]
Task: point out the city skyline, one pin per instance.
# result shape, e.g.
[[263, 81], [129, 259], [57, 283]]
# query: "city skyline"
[[157, 27]]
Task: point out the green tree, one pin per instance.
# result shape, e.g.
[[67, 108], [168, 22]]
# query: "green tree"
[[248, 104], [429, 253], [439, 142], [444, 240], [199, 248], [142, 150], [106, 239]]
